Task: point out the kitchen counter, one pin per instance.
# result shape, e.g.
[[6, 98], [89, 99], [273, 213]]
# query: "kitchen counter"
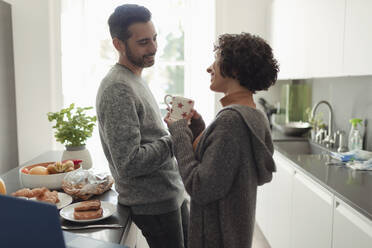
[[11, 179], [351, 186]]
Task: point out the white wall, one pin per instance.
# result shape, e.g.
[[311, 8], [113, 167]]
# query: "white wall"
[[36, 36], [350, 97], [236, 16], [200, 52]]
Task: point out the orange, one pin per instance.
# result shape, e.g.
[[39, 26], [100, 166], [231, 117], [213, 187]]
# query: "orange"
[[2, 187]]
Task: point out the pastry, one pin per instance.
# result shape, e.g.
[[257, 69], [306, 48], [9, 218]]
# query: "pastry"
[[88, 205], [88, 215]]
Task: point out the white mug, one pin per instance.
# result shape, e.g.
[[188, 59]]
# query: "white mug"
[[180, 107]]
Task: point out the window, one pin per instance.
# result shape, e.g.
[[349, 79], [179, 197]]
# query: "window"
[[185, 49]]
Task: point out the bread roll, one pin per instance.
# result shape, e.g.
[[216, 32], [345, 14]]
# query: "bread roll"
[[39, 170]]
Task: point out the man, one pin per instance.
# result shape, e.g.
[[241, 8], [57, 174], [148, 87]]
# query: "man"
[[136, 145]]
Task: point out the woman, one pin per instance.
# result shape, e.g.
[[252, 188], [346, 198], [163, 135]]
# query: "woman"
[[233, 155]]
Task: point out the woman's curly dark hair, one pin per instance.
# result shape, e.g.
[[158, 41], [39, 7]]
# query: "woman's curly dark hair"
[[247, 58]]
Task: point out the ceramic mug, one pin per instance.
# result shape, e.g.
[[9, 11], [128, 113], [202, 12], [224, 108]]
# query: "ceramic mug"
[[179, 107]]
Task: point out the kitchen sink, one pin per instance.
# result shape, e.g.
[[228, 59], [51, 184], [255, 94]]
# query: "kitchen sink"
[[300, 147]]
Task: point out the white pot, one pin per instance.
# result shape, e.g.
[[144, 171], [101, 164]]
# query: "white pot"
[[78, 152]]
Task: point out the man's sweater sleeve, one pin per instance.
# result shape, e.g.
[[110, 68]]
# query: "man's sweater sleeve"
[[211, 178], [121, 132]]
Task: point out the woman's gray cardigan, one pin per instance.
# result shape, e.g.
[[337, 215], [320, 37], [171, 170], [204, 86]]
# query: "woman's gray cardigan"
[[233, 157]]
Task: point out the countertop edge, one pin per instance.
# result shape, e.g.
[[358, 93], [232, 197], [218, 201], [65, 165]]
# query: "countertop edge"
[[327, 187]]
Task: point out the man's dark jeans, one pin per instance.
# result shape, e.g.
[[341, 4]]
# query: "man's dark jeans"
[[169, 230]]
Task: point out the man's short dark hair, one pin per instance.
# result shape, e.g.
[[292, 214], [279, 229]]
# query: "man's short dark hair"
[[124, 16], [247, 58]]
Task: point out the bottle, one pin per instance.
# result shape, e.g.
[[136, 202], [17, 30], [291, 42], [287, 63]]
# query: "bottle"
[[355, 138]]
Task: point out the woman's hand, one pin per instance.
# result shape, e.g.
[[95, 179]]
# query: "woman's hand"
[[197, 124], [170, 121]]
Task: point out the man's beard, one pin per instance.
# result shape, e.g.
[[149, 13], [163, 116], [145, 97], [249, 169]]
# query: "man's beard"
[[138, 61]]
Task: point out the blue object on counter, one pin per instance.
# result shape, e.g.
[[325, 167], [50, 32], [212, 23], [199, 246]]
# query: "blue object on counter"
[[343, 157], [359, 155]]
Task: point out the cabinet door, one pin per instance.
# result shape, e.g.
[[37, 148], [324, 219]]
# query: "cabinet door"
[[264, 208], [350, 229], [324, 35], [287, 39], [312, 214], [307, 37], [358, 37], [280, 222]]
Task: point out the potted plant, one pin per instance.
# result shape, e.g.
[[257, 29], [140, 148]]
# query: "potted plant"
[[73, 127]]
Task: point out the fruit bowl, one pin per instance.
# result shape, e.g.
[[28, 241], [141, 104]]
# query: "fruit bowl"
[[50, 181]]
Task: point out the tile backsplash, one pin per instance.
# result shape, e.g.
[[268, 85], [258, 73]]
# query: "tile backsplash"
[[350, 97]]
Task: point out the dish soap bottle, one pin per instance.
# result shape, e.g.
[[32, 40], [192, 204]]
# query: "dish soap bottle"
[[355, 138]]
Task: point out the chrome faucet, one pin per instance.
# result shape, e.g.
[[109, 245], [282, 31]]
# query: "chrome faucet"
[[328, 140]]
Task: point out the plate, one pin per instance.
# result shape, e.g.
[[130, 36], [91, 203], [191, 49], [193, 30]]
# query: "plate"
[[64, 200], [68, 212]]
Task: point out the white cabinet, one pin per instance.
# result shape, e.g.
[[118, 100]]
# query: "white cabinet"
[[350, 229], [312, 214], [280, 221], [322, 38], [295, 211], [265, 208], [358, 38], [287, 38], [274, 204], [307, 37], [323, 29]]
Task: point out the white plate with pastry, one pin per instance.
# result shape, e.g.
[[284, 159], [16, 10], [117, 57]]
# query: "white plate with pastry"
[[69, 212], [64, 200], [45, 195]]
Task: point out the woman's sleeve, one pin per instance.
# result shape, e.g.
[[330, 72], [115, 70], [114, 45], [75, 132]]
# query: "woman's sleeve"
[[211, 178]]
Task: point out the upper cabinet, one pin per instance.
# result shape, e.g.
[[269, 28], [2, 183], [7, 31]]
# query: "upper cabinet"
[[358, 38], [285, 39], [321, 38], [307, 37]]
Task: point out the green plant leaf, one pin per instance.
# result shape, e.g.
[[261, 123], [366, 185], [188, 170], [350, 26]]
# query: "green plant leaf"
[[73, 127]]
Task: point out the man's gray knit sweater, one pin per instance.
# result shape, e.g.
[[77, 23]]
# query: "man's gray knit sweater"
[[233, 157], [136, 144]]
